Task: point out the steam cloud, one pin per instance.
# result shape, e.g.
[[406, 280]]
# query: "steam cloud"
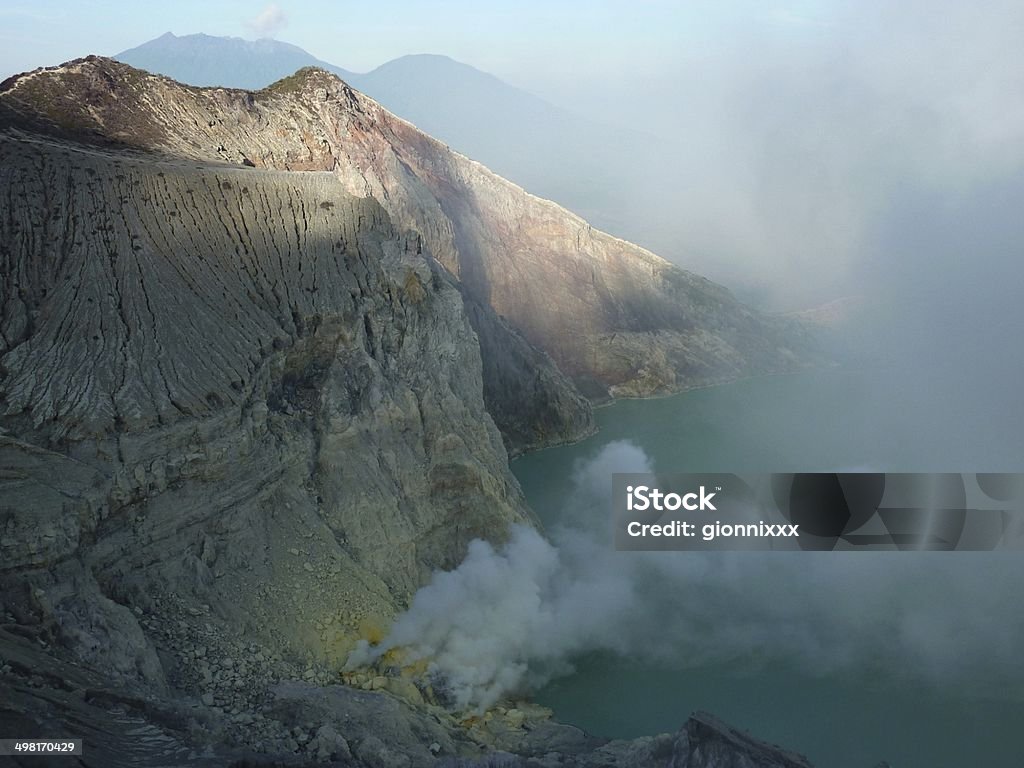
[[787, 137], [268, 22], [510, 619]]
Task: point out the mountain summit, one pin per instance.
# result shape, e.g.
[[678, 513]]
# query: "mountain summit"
[[614, 317], [206, 60]]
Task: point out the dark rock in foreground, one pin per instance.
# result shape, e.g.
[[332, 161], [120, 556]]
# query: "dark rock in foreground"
[[43, 694], [707, 742]]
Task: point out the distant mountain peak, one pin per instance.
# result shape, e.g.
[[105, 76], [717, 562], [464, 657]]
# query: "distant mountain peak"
[[436, 64], [431, 56], [232, 62]]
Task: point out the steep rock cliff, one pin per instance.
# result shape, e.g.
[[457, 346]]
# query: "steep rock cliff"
[[246, 387]]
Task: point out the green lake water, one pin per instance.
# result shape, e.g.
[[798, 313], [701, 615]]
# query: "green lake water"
[[820, 421]]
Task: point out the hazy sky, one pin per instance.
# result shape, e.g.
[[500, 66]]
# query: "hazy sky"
[[525, 38]]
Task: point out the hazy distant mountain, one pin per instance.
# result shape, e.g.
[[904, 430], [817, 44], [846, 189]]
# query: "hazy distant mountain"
[[546, 149], [228, 61]]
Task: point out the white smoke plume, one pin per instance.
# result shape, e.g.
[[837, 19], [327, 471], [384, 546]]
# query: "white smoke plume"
[[510, 619], [268, 22]]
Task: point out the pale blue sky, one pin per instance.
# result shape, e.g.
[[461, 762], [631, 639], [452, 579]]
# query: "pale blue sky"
[[516, 39]]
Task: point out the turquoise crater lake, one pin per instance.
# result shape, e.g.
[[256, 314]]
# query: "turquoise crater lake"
[[840, 718]]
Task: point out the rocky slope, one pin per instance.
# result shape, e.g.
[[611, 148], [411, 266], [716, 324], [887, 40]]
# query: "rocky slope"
[[258, 355], [249, 387], [305, 724], [612, 316], [243, 420], [616, 178]]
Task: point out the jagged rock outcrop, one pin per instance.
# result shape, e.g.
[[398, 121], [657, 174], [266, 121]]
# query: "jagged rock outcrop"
[[613, 317], [308, 724], [707, 742]]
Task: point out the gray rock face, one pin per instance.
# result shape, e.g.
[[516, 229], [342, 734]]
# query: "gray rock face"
[[221, 366], [58, 501], [531, 401], [707, 742]]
